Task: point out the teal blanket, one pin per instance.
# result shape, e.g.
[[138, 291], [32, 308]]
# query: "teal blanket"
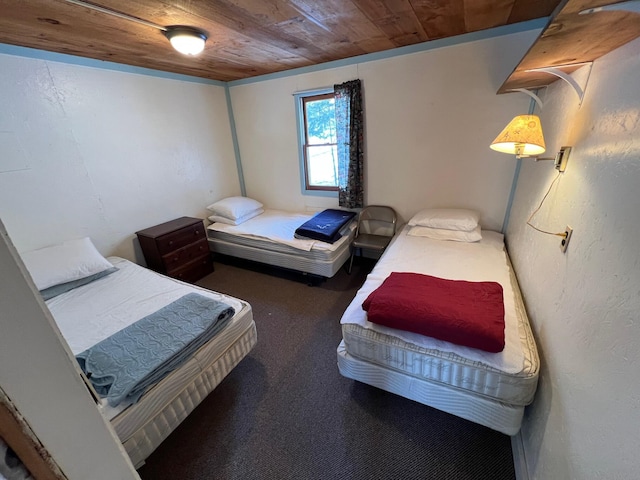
[[124, 365]]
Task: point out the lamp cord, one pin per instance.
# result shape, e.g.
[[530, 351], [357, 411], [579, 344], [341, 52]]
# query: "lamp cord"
[[563, 234]]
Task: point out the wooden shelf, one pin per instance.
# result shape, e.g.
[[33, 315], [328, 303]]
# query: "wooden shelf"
[[570, 38]]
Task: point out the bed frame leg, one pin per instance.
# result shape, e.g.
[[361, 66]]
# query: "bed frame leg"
[[353, 252], [313, 280]]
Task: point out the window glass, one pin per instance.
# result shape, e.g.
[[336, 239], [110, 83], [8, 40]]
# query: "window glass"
[[320, 162]]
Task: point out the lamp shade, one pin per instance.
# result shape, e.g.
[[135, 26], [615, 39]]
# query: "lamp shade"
[[186, 40], [522, 137]]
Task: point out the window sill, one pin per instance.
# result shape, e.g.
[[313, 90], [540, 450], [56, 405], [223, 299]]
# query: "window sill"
[[320, 193]]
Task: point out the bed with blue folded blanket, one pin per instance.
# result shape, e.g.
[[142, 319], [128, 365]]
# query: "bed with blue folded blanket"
[[152, 347], [312, 243]]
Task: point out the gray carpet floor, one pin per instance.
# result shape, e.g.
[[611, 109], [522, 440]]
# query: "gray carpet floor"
[[285, 412]]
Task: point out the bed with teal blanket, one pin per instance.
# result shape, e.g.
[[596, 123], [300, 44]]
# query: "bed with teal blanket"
[[152, 347]]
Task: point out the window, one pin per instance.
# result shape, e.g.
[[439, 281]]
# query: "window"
[[319, 155]]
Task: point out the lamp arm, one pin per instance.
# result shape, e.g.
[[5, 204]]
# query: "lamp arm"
[[560, 160]]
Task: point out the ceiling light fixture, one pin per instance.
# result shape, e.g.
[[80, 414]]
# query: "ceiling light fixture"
[[186, 40]]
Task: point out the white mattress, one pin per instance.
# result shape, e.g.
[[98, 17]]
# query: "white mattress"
[[479, 261], [92, 312], [491, 389], [276, 228], [450, 368], [243, 241]]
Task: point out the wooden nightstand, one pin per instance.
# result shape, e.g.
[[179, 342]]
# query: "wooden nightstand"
[[178, 249]]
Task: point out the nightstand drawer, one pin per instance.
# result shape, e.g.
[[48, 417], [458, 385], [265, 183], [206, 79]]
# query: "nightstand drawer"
[[180, 238], [185, 254], [194, 270], [177, 248]]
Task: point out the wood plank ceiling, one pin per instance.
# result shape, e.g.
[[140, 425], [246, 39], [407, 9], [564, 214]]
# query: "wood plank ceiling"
[[247, 38]]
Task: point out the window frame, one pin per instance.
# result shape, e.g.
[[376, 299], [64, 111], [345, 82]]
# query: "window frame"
[[301, 99]]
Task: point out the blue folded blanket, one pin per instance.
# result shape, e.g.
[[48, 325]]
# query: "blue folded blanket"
[[325, 226], [122, 366]]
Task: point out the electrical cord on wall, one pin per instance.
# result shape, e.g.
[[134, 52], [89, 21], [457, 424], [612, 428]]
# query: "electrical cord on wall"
[[563, 234]]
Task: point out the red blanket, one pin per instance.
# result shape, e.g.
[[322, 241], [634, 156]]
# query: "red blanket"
[[460, 312]]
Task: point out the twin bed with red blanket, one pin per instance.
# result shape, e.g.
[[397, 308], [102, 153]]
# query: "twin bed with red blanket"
[[443, 323]]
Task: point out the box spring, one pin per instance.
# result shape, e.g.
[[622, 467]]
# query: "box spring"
[[92, 312], [498, 416], [449, 368], [486, 389], [325, 263], [145, 425]]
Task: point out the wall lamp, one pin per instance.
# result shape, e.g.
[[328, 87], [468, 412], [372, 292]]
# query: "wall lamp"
[[523, 138]]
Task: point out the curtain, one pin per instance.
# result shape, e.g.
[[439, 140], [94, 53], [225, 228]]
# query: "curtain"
[[350, 133]]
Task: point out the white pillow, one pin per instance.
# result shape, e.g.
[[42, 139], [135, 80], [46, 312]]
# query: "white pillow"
[[238, 221], [447, 218], [474, 235], [68, 261], [234, 207]]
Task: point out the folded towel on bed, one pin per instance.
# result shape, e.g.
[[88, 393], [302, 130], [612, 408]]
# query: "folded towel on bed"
[[122, 366], [325, 226], [458, 311]]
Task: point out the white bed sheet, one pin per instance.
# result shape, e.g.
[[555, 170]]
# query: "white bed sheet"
[[478, 261], [85, 318], [279, 226]]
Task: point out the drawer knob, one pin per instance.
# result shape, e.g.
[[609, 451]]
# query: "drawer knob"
[[201, 248], [170, 242], [175, 259], [196, 232]]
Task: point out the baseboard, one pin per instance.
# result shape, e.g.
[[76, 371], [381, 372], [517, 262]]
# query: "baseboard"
[[519, 458]]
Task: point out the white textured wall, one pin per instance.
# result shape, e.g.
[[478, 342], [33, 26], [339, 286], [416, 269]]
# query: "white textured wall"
[[429, 117], [584, 423], [101, 153]]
